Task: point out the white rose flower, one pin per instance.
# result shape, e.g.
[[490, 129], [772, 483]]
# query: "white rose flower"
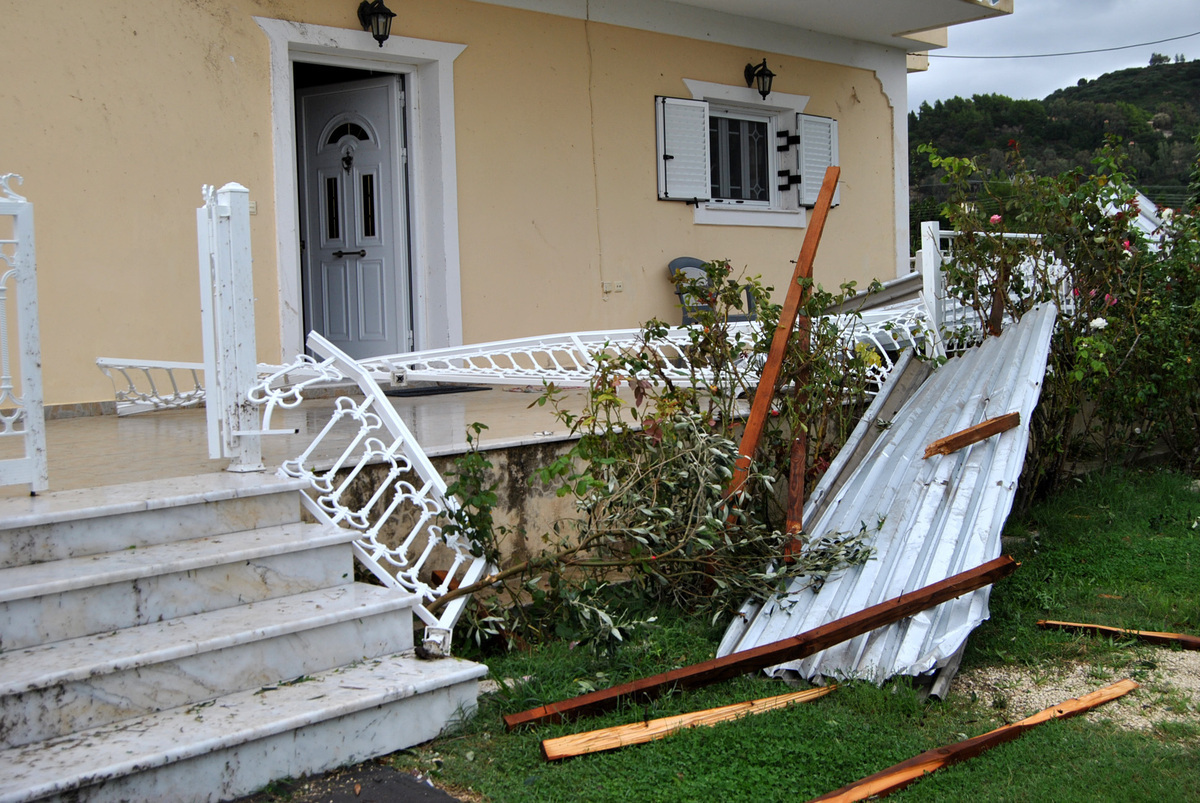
[[1098, 323]]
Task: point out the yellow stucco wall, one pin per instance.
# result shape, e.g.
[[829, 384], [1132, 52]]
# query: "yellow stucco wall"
[[117, 119]]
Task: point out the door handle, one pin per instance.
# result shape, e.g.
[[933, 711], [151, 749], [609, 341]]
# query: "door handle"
[[340, 254]]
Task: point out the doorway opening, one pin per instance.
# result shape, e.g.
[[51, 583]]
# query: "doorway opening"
[[354, 222]]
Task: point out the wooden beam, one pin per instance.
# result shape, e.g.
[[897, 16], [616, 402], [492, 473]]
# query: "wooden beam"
[[904, 773], [1149, 636], [598, 741], [761, 406], [981, 431], [790, 649]]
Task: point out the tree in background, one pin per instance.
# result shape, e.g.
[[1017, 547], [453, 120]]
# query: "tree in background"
[[1154, 111]]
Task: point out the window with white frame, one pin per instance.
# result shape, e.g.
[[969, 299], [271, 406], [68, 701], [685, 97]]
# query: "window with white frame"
[[739, 159], [739, 156]]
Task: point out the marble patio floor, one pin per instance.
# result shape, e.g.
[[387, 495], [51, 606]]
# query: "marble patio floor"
[[100, 450]]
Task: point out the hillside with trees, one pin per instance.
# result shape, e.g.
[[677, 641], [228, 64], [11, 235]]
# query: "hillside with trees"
[[1153, 110]]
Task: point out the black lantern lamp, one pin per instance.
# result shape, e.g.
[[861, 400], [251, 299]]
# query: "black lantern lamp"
[[377, 18], [761, 76]]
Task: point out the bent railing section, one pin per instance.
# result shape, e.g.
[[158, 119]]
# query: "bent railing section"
[[21, 411], [381, 485]]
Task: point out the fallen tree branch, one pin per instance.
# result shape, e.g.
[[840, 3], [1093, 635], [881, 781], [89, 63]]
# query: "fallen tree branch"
[[598, 741], [790, 649], [1149, 636], [904, 773]]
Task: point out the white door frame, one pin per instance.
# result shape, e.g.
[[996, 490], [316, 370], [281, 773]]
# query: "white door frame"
[[433, 177]]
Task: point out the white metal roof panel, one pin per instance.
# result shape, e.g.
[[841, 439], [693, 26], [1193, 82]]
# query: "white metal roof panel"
[[935, 517]]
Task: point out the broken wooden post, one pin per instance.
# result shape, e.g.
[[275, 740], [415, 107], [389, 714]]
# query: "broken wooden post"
[[904, 773], [790, 649], [798, 469], [1149, 636], [598, 741], [797, 291], [979, 432]]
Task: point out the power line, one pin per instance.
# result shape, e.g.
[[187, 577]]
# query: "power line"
[[1071, 52]]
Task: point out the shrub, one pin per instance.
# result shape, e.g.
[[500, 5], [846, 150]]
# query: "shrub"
[[1120, 378], [650, 474]]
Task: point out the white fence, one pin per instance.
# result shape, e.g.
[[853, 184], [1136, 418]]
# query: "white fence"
[[21, 412]]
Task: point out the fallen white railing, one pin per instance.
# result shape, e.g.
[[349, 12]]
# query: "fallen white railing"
[[402, 488], [565, 359], [144, 385]]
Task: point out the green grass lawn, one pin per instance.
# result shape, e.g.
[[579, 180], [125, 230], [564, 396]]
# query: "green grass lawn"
[[1121, 549]]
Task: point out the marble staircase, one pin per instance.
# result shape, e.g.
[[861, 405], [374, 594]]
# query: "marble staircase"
[[192, 640]]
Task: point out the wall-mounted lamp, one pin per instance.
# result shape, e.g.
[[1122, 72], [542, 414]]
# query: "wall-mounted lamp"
[[377, 18], [761, 76]]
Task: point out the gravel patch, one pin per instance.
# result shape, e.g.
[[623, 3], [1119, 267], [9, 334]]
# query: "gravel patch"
[[1170, 688]]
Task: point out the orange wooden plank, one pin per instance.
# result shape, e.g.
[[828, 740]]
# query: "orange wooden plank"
[[790, 649], [598, 741], [761, 406], [901, 775], [981, 431], [1149, 636]]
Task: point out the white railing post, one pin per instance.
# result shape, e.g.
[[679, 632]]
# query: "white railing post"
[[933, 286], [227, 306], [21, 415]]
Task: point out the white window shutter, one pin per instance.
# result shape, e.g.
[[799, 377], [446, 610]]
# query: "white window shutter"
[[787, 153], [818, 152], [682, 149]]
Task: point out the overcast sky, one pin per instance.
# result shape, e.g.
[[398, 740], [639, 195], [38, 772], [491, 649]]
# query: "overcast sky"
[[1054, 26]]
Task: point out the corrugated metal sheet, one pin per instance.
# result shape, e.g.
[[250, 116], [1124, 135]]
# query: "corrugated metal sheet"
[[935, 517]]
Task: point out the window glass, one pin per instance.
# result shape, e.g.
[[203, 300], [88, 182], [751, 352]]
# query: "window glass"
[[333, 209], [740, 158], [353, 129], [368, 205]]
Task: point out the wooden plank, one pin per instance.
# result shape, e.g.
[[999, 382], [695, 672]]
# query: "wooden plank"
[[981, 431], [904, 773], [1149, 636], [790, 649], [598, 741], [761, 407]]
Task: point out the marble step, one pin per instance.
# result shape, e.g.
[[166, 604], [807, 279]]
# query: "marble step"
[[66, 524], [63, 599], [238, 743], [54, 689]]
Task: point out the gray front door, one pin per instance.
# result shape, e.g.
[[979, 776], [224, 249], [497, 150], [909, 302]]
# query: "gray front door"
[[355, 271]]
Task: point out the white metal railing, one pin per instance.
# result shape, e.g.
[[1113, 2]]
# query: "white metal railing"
[[385, 466], [21, 413], [573, 358], [227, 323], [565, 359], [144, 385], [954, 324]]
